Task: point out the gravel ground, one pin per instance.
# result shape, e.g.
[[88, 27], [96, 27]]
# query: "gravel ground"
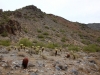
[[46, 63]]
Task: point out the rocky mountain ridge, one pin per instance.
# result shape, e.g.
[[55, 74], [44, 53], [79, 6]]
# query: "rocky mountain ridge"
[[95, 26], [53, 45], [31, 22]]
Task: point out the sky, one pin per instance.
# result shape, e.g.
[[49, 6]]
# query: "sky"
[[83, 11]]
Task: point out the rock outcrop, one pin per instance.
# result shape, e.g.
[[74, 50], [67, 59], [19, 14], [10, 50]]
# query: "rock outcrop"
[[17, 14], [32, 7], [10, 27]]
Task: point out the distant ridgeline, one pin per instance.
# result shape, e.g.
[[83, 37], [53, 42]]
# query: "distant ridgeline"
[[95, 26]]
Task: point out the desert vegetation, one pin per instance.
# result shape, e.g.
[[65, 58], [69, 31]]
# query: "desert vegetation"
[[52, 44], [5, 42], [25, 42], [92, 48]]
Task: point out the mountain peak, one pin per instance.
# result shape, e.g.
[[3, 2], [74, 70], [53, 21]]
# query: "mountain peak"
[[31, 7]]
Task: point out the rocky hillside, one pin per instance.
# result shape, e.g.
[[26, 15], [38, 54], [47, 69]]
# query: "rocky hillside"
[[53, 45], [30, 22], [95, 26]]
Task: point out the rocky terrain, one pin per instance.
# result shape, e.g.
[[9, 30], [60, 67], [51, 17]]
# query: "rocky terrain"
[[53, 45], [95, 26], [46, 63]]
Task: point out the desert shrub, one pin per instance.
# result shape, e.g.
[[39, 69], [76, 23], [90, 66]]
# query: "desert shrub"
[[98, 39], [39, 31], [62, 31], [35, 41], [34, 19], [86, 42], [52, 45], [46, 27], [53, 29], [64, 39], [4, 34], [83, 36], [41, 44], [41, 16], [57, 35], [45, 33], [43, 39], [91, 48], [40, 36], [25, 30], [55, 20], [5, 42], [73, 48], [25, 42], [4, 18], [49, 37], [64, 45]]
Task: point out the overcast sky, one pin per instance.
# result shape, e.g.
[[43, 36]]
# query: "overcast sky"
[[83, 11]]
